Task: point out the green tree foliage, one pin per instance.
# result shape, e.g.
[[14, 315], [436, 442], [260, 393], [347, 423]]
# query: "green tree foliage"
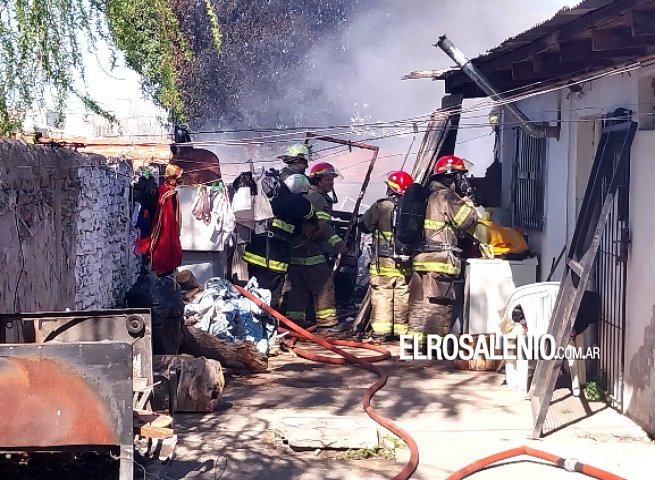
[[42, 44]]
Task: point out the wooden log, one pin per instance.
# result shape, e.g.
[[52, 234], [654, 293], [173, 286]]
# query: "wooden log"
[[200, 381], [237, 356]]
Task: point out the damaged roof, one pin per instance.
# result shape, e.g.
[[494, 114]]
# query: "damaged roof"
[[593, 35], [560, 19]]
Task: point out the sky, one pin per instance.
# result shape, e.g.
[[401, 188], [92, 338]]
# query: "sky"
[[363, 74]]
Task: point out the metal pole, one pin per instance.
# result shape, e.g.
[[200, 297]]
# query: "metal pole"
[[485, 85]]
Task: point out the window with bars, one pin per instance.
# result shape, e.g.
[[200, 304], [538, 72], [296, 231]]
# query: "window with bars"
[[529, 181]]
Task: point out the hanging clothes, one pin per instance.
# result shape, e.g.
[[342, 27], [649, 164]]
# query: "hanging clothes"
[[201, 206], [223, 219], [165, 247]]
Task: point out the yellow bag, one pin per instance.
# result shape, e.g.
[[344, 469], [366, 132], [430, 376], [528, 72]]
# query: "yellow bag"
[[498, 240]]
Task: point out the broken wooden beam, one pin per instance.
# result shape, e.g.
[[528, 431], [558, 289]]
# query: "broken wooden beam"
[[159, 433], [152, 425]]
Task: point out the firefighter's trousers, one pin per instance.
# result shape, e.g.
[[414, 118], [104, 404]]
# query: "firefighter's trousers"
[[305, 282], [389, 297], [431, 300], [270, 280]]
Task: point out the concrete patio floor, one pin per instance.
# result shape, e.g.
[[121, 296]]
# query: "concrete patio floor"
[[455, 416]]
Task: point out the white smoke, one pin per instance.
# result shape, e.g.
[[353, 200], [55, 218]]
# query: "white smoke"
[[354, 77]]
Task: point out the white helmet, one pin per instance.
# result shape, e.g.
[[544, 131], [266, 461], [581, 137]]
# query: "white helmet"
[[297, 183]]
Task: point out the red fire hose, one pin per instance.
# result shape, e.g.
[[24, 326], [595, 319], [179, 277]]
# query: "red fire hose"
[[366, 363], [567, 464]]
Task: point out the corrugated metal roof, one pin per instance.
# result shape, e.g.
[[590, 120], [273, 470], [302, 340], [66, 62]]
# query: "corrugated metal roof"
[[564, 16]]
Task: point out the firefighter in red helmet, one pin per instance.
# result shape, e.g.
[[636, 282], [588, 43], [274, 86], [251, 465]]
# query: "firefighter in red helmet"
[[390, 272], [437, 264], [309, 274]]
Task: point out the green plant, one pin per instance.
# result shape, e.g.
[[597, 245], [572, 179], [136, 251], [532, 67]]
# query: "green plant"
[[596, 389], [42, 44], [386, 450]]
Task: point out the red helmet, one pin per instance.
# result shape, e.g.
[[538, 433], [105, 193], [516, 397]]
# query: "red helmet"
[[323, 168], [399, 181], [449, 164]]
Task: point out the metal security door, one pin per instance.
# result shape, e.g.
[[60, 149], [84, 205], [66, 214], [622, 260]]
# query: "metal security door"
[[611, 279], [602, 199]]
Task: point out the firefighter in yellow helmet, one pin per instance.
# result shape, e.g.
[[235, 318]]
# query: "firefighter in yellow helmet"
[[309, 275], [437, 264], [296, 160], [389, 271]]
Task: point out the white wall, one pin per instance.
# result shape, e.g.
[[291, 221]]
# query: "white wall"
[[635, 92], [640, 302], [598, 97]]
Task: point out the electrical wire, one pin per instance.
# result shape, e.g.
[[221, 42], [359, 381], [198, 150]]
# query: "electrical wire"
[[479, 106], [413, 120], [507, 97], [143, 469]]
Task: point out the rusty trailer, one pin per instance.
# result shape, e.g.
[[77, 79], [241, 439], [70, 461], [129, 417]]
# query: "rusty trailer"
[[69, 381], [68, 397]]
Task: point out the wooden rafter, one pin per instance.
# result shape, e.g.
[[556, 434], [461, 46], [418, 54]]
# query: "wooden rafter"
[[642, 22], [578, 50]]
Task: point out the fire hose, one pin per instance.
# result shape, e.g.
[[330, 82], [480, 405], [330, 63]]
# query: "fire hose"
[[366, 363], [570, 465]]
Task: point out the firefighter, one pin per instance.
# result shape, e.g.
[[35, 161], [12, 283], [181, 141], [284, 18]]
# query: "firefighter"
[[389, 272], [296, 160], [437, 264], [310, 276], [267, 254]]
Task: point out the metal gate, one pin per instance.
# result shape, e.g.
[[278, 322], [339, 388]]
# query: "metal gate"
[[611, 277], [602, 221]]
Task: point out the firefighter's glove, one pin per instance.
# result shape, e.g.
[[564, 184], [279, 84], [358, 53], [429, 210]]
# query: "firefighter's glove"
[[341, 248]]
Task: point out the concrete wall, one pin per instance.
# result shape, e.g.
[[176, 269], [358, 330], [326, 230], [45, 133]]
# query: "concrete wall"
[[106, 265], [566, 175], [640, 302], [64, 230]]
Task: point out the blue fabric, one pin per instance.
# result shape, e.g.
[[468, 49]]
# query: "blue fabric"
[[228, 315]]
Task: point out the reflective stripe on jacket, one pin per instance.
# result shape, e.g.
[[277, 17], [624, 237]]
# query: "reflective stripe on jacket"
[[378, 220], [311, 252], [267, 252], [445, 214]]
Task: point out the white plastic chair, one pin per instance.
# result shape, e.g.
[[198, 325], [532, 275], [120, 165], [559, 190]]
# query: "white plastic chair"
[[537, 301]]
